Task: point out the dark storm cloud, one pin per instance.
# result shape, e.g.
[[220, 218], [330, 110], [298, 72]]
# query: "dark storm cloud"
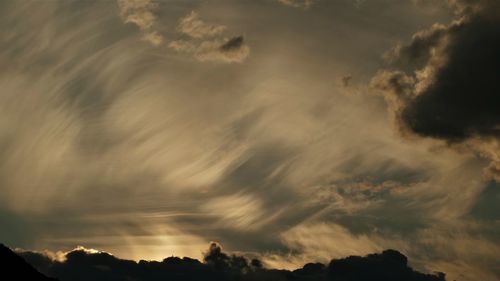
[[464, 98], [390, 265], [444, 84]]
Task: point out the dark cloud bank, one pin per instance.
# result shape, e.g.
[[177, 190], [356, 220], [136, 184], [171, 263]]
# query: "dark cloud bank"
[[389, 265], [445, 83]]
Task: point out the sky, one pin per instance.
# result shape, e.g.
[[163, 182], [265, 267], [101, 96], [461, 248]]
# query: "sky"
[[290, 130]]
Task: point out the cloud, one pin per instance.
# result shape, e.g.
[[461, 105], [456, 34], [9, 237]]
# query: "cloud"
[[136, 152], [232, 44], [470, 258], [314, 241], [444, 84], [297, 3], [346, 80], [207, 43], [193, 26], [450, 246], [217, 265], [153, 37], [141, 13], [231, 50], [234, 49], [239, 211]]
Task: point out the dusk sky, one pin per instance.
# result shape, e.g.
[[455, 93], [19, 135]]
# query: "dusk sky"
[[289, 130]]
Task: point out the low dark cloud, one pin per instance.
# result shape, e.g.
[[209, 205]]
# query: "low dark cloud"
[[81, 264], [463, 100], [444, 84]]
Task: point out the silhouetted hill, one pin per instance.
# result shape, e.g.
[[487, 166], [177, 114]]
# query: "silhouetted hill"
[[80, 265], [16, 268]]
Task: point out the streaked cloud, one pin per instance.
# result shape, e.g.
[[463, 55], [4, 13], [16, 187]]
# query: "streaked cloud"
[[238, 211]]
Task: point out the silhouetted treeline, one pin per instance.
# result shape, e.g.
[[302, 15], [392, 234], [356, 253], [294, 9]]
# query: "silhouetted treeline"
[[80, 265]]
